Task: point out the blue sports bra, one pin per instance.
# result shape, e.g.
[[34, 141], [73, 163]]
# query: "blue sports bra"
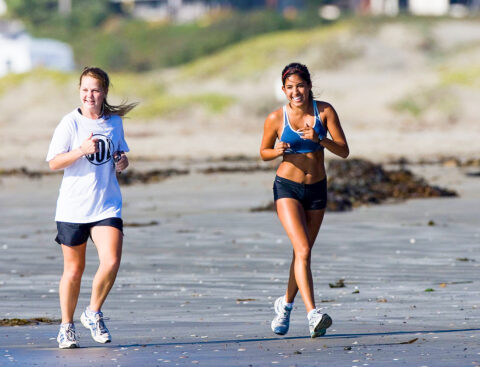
[[293, 137]]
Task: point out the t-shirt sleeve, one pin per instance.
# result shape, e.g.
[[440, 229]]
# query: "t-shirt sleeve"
[[61, 140], [122, 144]]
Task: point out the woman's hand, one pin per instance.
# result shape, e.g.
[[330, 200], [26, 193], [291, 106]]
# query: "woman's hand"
[[121, 161], [63, 160], [309, 133], [90, 145], [280, 148]]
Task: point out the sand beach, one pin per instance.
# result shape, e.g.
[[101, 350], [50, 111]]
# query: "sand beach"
[[200, 273], [201, 270]]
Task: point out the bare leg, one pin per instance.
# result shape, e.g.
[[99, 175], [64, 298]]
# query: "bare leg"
[[69, 288], [108, 241], [311, 225]]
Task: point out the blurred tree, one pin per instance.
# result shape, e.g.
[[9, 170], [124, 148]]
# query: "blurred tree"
[[90, 13], [34, 11], [248, 4], [101, 34], [47, 12], [240, 4]]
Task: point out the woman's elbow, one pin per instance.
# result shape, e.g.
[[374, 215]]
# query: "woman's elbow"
[[53, 165], [263, 156], [345, 153]]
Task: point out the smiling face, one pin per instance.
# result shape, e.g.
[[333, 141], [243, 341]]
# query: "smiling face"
[[92, 96], [297, 90]]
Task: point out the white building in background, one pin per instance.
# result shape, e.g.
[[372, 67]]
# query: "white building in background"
[[384, 7], [430, 7], [3, 7], [20, 53], [181, 11]]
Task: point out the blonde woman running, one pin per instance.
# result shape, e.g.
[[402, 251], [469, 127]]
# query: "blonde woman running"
[[89, 145]]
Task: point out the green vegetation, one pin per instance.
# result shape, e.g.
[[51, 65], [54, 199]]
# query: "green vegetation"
[[410, 104], [14, 80], [440, 97], [143, 85], [467, 76], [101, 35], [138, 46], [42, 15], [252, 57], [151, 90], [435, 98], [148, 89], [167, 104]]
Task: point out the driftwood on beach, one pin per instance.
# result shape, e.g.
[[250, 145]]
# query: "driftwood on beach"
[[356, 182]]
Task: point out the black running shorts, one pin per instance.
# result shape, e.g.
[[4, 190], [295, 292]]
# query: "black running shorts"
[[311, 196], [74, 234]]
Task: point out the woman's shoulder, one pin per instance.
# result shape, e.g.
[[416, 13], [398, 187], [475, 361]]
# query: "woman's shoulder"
[[275, 117], [70, 118], [114, 119], [323, 105]]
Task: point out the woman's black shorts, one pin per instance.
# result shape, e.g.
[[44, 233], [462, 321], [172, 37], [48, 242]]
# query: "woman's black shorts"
[[74, 234], [311, 196]]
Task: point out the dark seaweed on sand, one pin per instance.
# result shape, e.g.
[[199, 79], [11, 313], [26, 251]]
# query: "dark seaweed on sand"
[[356, 182], [132, 176], [24, 322]]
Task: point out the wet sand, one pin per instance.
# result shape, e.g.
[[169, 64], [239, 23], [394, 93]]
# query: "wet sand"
[[200, 273]]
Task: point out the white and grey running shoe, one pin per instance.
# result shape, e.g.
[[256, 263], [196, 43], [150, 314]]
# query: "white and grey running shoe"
[[97, 327], [281, 322], [67, 338], [318, 323]]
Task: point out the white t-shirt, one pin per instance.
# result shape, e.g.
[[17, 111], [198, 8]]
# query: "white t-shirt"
[[89, 190]]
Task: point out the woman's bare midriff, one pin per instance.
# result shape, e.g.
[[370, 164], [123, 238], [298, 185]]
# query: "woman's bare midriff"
[[306, 168]]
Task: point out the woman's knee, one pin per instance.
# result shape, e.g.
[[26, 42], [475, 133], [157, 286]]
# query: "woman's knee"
[[111, 264], [303, 254], [73, 273]]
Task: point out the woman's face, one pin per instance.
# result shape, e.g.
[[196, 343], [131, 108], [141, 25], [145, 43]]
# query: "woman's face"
[[92, 95], [297, 90]]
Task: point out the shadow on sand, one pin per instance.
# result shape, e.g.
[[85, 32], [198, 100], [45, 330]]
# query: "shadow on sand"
[[330, 336]]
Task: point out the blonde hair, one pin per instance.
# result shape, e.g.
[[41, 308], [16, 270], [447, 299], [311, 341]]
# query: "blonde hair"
[[107, 109]]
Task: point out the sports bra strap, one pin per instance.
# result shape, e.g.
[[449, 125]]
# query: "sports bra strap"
[[315, 110]]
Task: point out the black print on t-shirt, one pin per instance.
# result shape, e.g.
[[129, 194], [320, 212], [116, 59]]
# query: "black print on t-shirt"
[[105, 150]]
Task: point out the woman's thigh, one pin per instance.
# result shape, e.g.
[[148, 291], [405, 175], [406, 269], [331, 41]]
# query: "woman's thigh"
[[74, 256], [314, 220], [108, 241], [293, 219]]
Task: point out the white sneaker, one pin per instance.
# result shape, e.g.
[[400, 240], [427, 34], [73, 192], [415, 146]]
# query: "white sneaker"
[[97, 327], [318, 323], [281, 322], [67, 338]]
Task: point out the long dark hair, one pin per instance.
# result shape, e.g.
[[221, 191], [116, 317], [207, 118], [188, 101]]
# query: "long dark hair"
[[299, 69], [107, 109]]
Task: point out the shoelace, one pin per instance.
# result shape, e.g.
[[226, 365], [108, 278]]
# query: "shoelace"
[[70, 334], [284, 316], [99, 324], [314, 315]]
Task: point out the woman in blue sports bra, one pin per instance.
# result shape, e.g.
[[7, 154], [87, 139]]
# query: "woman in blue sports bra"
[[298, 133]]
